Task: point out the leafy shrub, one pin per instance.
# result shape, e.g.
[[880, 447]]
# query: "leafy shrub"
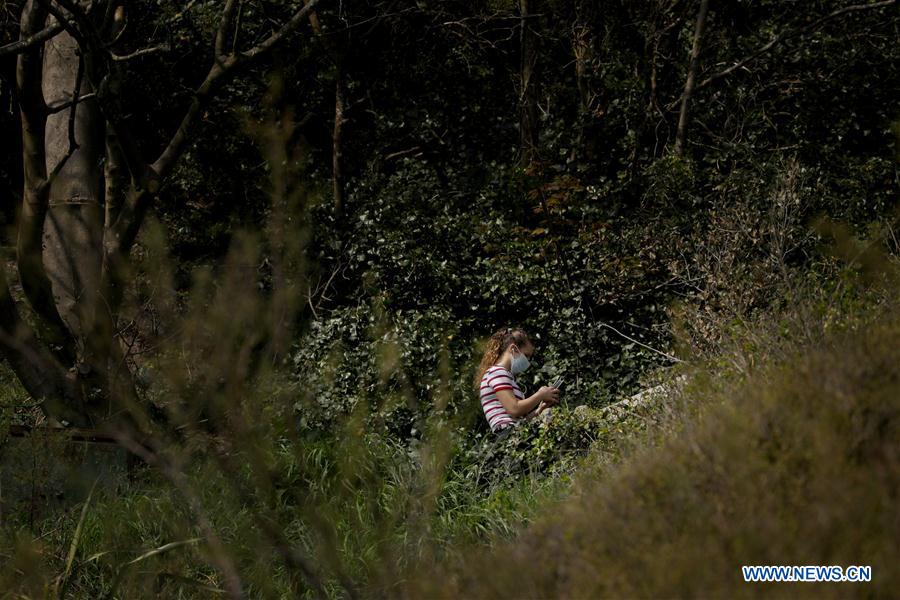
[[537, 447]]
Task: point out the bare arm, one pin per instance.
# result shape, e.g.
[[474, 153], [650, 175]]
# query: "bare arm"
[[518, 408]]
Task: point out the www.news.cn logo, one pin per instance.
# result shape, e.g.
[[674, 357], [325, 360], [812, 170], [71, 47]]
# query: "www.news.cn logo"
[[806, 573]]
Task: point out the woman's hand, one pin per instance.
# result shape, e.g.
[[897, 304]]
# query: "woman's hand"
[[548, 395]]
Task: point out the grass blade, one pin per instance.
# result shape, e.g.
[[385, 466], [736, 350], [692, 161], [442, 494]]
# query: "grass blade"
[[63, 582], [150, 553]]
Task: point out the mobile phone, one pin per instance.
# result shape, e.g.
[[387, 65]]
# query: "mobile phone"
[[557, 382]]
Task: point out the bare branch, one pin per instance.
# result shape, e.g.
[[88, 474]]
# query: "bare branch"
[[641, 344], [33, 40], [788, 35], [32, 103], [137, 168], [57, 108], [141, 52], [285, 30], [114, 179], [224, 26], [166, 161], [222, 67], [61, 19], [681, 134], [415, 151], [237, 27]]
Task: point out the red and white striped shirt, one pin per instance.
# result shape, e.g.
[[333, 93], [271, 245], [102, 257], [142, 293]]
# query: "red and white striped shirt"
[[498, 378]]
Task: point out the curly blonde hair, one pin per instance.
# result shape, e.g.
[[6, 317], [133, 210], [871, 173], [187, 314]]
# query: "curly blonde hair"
[[496, 346]]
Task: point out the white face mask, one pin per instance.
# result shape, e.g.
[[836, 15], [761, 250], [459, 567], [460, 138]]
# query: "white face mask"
[[520, 363]]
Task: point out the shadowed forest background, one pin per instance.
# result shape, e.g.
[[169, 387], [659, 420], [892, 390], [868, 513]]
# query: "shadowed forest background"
[[256, 247]]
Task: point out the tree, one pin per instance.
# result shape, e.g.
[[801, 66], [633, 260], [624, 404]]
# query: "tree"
[[335, 54], [87, 189], [681, 133], [690, 85], [528, 109]]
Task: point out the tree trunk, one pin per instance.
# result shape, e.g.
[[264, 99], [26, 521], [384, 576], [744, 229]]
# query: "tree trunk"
[[583, 54], [86, 191], [34, 279], [73, 229], [340, 105], [41, 376], [337, 177], [681, 134], [528, 113], [60, 234]]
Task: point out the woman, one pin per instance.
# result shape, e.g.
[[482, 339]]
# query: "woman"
[[507, 354]]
